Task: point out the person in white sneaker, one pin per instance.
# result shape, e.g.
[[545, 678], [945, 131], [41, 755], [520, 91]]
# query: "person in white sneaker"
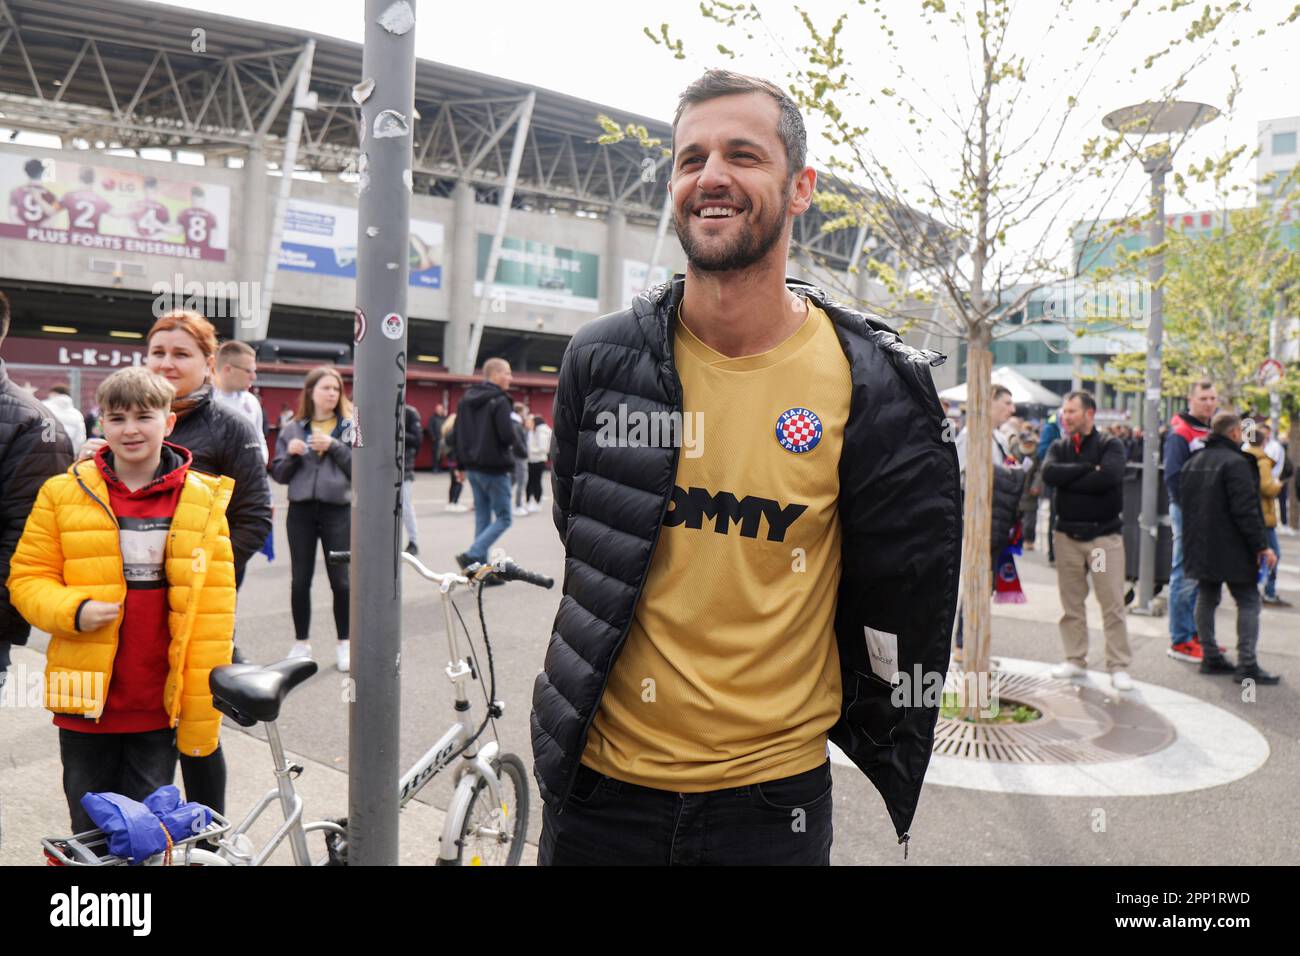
[[313, 456], [539, 449], [1086, 467]]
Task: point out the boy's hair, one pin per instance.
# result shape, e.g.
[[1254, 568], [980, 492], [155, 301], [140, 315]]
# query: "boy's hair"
[[134, 388]]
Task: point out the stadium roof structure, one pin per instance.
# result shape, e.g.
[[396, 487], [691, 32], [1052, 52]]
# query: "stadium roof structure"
[[135, 74]]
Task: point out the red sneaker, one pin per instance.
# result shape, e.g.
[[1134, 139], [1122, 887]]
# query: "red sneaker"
[[1189, 651]]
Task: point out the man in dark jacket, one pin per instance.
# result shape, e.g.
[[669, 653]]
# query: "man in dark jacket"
[[731, 604], [1187, 433], [1085, 467], [1224, 541], [486, 449], [33, 447]]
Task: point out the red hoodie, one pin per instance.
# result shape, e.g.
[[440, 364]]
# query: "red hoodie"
[[144, 517]]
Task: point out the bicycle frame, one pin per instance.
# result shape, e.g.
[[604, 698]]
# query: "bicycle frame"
[[476, 762]]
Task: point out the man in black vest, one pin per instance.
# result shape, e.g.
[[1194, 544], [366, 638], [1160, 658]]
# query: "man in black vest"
[[761, 520], [1086, 468], [1224, 542], [33, 447]]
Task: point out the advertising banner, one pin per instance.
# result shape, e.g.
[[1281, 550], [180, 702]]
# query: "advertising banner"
[[539, 273], [322, 238], [67, 202], [634, 279]]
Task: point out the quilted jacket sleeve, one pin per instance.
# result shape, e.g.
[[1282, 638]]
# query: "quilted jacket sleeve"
[[38, 450], [36, 585], [567, 415]]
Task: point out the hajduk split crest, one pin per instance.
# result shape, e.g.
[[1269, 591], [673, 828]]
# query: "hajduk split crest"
[[798, 430]]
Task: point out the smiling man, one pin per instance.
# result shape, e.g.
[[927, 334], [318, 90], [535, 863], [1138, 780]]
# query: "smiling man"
[[724, 614]]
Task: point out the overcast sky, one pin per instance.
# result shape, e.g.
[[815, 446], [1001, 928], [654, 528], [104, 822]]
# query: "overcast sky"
[[595, 49]]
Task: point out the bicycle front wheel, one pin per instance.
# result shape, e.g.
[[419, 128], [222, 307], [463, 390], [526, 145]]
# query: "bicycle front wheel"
[[494, 835]]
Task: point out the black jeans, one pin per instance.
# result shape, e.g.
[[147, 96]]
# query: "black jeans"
[[1246, 594], [134, 765], [454, 489], [308, 522], [535, 471], [608, 822]]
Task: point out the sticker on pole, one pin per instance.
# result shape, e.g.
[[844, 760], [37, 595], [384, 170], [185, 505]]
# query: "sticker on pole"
[[354, 439], [1270, 372], [358, 326], [392, 326]]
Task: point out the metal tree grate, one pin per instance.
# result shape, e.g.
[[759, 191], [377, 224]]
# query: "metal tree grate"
[[1079, 724]]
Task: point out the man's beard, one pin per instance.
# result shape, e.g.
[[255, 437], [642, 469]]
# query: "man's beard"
[[741, 252]]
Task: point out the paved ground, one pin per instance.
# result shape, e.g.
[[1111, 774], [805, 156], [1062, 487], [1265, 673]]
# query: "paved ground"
[[1251, 820]]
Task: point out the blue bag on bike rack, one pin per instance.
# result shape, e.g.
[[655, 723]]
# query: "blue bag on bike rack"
[[137, 831]]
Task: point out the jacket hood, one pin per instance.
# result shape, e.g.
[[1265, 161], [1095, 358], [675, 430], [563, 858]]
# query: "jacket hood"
[[174, 462], [480, 393], [60, 401]]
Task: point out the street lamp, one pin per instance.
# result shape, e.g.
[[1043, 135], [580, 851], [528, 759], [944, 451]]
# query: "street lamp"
[[1155, 119]]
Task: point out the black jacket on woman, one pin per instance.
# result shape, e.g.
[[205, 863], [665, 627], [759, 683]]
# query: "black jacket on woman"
[[1223, 524], [900, 519], [224, 442]]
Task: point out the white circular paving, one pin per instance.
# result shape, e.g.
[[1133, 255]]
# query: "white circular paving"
[[1211, 747]]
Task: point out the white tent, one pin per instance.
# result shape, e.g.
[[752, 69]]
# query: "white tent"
[[1024, 391]]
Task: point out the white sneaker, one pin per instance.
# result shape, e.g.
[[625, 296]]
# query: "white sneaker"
[[532, 508], [344, 655], [456, 508], [1121, 681], [1067, 671], [520, 512], [300, 649]]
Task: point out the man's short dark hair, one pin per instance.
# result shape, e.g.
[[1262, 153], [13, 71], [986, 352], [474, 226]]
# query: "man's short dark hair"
[[789, 127], [998, 391], [1200, 385], [1224, 422], [1085, 399], [4, 316], [61, 390]]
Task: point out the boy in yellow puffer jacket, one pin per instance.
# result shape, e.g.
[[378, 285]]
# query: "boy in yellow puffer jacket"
[[126, 561]]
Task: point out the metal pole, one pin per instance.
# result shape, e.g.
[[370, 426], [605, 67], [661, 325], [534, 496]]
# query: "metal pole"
[[1150, 518], [379, 390], [262, 316], [503, 215]]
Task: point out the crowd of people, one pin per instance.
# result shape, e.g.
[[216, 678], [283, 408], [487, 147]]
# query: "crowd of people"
[[172, 461], [1227, 480]]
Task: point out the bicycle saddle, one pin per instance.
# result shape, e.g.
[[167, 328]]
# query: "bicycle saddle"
[[248, 693]]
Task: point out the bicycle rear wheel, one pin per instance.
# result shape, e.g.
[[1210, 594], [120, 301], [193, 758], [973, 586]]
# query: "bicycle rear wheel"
[[494, 836]]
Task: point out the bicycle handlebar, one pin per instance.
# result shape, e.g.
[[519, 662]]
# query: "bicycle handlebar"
[[509, 571], [505, 569]]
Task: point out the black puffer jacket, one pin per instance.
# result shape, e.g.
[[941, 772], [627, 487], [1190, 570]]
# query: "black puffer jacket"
[[414, 439], [1223, 524], [224, 442], [1089, 484], [33, 447], [486, 439], [900, 519]]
